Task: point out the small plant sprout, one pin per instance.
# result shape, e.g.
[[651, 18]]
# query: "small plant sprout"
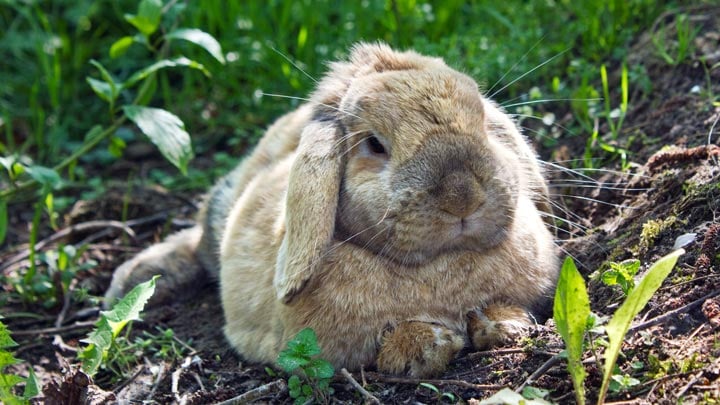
[[622, 274], [102, 339], [312, 374], [674, 52], [439, 395]]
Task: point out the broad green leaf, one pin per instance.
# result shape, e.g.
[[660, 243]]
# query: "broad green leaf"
[[119, 47], [305, 343], [200, 38], [32, 385], [166, 131], [634, 303], [130, 306], [102, 89], [99, 341], [111, 323], [319, 368], [571, 311], [148, 17], [45, 176], [107, 77], [290, 361], [3, 220], [162, 64]]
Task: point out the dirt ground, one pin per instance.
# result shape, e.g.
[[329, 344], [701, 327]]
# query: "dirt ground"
[[672, 187]]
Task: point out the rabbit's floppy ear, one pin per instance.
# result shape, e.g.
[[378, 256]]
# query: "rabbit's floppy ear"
[[311, 205]]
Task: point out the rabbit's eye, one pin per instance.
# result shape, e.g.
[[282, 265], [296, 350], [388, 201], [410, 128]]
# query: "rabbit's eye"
[[375, 145]]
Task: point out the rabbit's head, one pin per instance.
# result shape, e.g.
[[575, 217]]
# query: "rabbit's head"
[[401, 159]]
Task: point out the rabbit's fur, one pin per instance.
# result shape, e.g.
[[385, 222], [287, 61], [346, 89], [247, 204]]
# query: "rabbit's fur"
[[398, 214]]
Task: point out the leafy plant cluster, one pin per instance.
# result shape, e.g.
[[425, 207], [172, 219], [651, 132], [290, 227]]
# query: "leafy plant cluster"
[[8, 382], [49, 48], [311, 374], [574, 320]]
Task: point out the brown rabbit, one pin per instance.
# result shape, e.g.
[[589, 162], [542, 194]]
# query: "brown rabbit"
[[398, 213]]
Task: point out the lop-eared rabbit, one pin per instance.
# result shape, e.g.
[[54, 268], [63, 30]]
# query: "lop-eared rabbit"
[[398, 213]]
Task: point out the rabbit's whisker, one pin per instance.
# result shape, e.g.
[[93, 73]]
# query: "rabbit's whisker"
[[311, 101], [594, 200], [565, 220], [287, 58], [528, 72], [583, 184], [547, 100], [516, 64], [554, 124]]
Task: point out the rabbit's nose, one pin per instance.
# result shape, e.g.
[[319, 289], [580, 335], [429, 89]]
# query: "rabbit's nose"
[[460, 194]]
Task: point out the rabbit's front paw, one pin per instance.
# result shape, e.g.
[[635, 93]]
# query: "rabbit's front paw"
[[418, 349], [497, 324]]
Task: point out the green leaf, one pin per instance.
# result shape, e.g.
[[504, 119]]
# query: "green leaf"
[[200, 38], [506, 396], [289, 361], [93, 133], [634, 303], [3, 220], [319, 368], [112, 322], [430, 387], [46, 176], [102, 89], [119, 47], [305, 343], [294, 386], [99, 341], [166, 131], [110, 89], [163, 64], [32, 385], [130, 306], [148, 17], [531, 392], [7, 359], [571, 311]]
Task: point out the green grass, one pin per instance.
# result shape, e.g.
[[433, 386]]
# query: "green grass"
[[46, 105]]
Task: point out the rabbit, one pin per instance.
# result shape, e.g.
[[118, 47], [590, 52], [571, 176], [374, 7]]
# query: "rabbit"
[[398, 213]]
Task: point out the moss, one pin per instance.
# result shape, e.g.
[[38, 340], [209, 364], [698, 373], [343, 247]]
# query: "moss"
[[652, 229]]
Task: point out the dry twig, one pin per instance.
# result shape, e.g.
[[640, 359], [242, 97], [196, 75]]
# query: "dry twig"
[[368, 396], [62, 329], [259, 392], [407, 380], [662, 318]]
